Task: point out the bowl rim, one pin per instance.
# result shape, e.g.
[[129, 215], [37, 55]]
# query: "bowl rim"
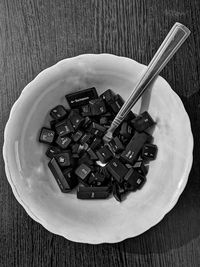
[[116, 238]]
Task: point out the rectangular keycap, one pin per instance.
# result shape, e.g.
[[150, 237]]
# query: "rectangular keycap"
[[93, 192], [81, 97], [77, 135], [132, 150], [59, 176]]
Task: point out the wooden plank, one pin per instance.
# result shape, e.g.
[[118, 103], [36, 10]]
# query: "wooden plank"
[[35, 35]]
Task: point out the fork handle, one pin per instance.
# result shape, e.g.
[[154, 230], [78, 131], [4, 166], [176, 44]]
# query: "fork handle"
[[174, 39]]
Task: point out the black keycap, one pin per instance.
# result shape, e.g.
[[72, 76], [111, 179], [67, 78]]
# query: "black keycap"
[[93, 192], [97, 107], [130, 116], [116, 145], [64, 159], [96, 179], [51, 151], [46, 135], [59, 176], [70, 177], [52, 124], [58, 112], [64, 127], [96, 143], [97, 126], [103, 120], [97, 133], [83, 172], [105, 172], [124, 140], [77, 136], [116, 104], [86, 123], [140, 167], [92, 154], [104, 154], [149, 152], [86, 138], [76, 119], [117, 169], [118, 191], [85, 159], [126, 130], [109, 115], [75, 156], [132, 150], [142, 122], [75, 148], [63, 142], [108, 96], [134, 180], [81, 97], [86, 111]]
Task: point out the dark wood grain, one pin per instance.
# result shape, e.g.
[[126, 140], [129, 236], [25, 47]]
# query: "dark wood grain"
[[35, 34]]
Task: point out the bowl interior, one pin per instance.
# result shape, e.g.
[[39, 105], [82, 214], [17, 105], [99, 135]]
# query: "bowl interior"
[[97, 220]]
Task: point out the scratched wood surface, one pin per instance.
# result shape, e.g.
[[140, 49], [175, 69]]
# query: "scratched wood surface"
[[35, 34]]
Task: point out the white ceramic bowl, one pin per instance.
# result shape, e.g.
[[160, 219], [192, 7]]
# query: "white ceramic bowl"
[[96, 221]]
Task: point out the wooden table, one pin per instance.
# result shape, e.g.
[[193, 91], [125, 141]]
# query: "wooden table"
[[35, 34]]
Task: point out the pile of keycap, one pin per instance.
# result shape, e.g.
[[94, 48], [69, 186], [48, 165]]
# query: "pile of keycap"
[[79, 156]]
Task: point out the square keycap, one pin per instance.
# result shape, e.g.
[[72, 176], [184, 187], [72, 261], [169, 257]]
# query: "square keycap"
[[76, 119], [126, 130], [64, 127], [63, 142], [51, 151], [97, 106], [104, 154], [116, 145], [46, 136], [149, 152], [134, 180], [64, 159], [83, 171], [58, 112], [142, 122], [117, 169], [140, 167]]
